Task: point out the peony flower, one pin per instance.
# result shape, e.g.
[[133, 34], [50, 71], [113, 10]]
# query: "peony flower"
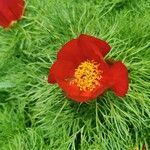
[[10, 11], [82, 72]]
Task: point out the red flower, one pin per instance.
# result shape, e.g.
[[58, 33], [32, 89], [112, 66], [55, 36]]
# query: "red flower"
[[10, 11], [81, 71]]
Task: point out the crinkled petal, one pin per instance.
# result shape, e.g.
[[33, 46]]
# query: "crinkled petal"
[[120, 81], [82, 97], [73, 92], [16, 7], [71, 52], [103, 46], [78, 50], [61, 70], [10, 10], [89, 50], [105, 81]]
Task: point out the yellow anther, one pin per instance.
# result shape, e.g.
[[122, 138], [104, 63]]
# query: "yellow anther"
[[87, 76]]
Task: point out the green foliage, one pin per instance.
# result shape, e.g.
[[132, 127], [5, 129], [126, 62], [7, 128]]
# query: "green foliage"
[[35, 115]]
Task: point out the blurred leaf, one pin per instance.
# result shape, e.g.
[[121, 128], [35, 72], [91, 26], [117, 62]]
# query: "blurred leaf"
[[6, 85]]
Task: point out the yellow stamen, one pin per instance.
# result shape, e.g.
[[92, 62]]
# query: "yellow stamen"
[[87, 76]]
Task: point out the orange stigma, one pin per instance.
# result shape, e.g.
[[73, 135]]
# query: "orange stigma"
[[87, 75]]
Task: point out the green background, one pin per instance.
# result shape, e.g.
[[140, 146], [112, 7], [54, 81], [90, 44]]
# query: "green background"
[[35, 115]]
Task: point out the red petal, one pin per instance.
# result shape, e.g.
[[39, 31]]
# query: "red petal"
[[105, 81], [89, 50], [81, 98], [10, 10], [71, 52], [16, 7], [102, 45], [73, 92], [120, 81], [3, 21], [61, 70], [78, 50]]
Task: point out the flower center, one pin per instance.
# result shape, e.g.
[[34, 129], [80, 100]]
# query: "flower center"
[[87, 75]]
